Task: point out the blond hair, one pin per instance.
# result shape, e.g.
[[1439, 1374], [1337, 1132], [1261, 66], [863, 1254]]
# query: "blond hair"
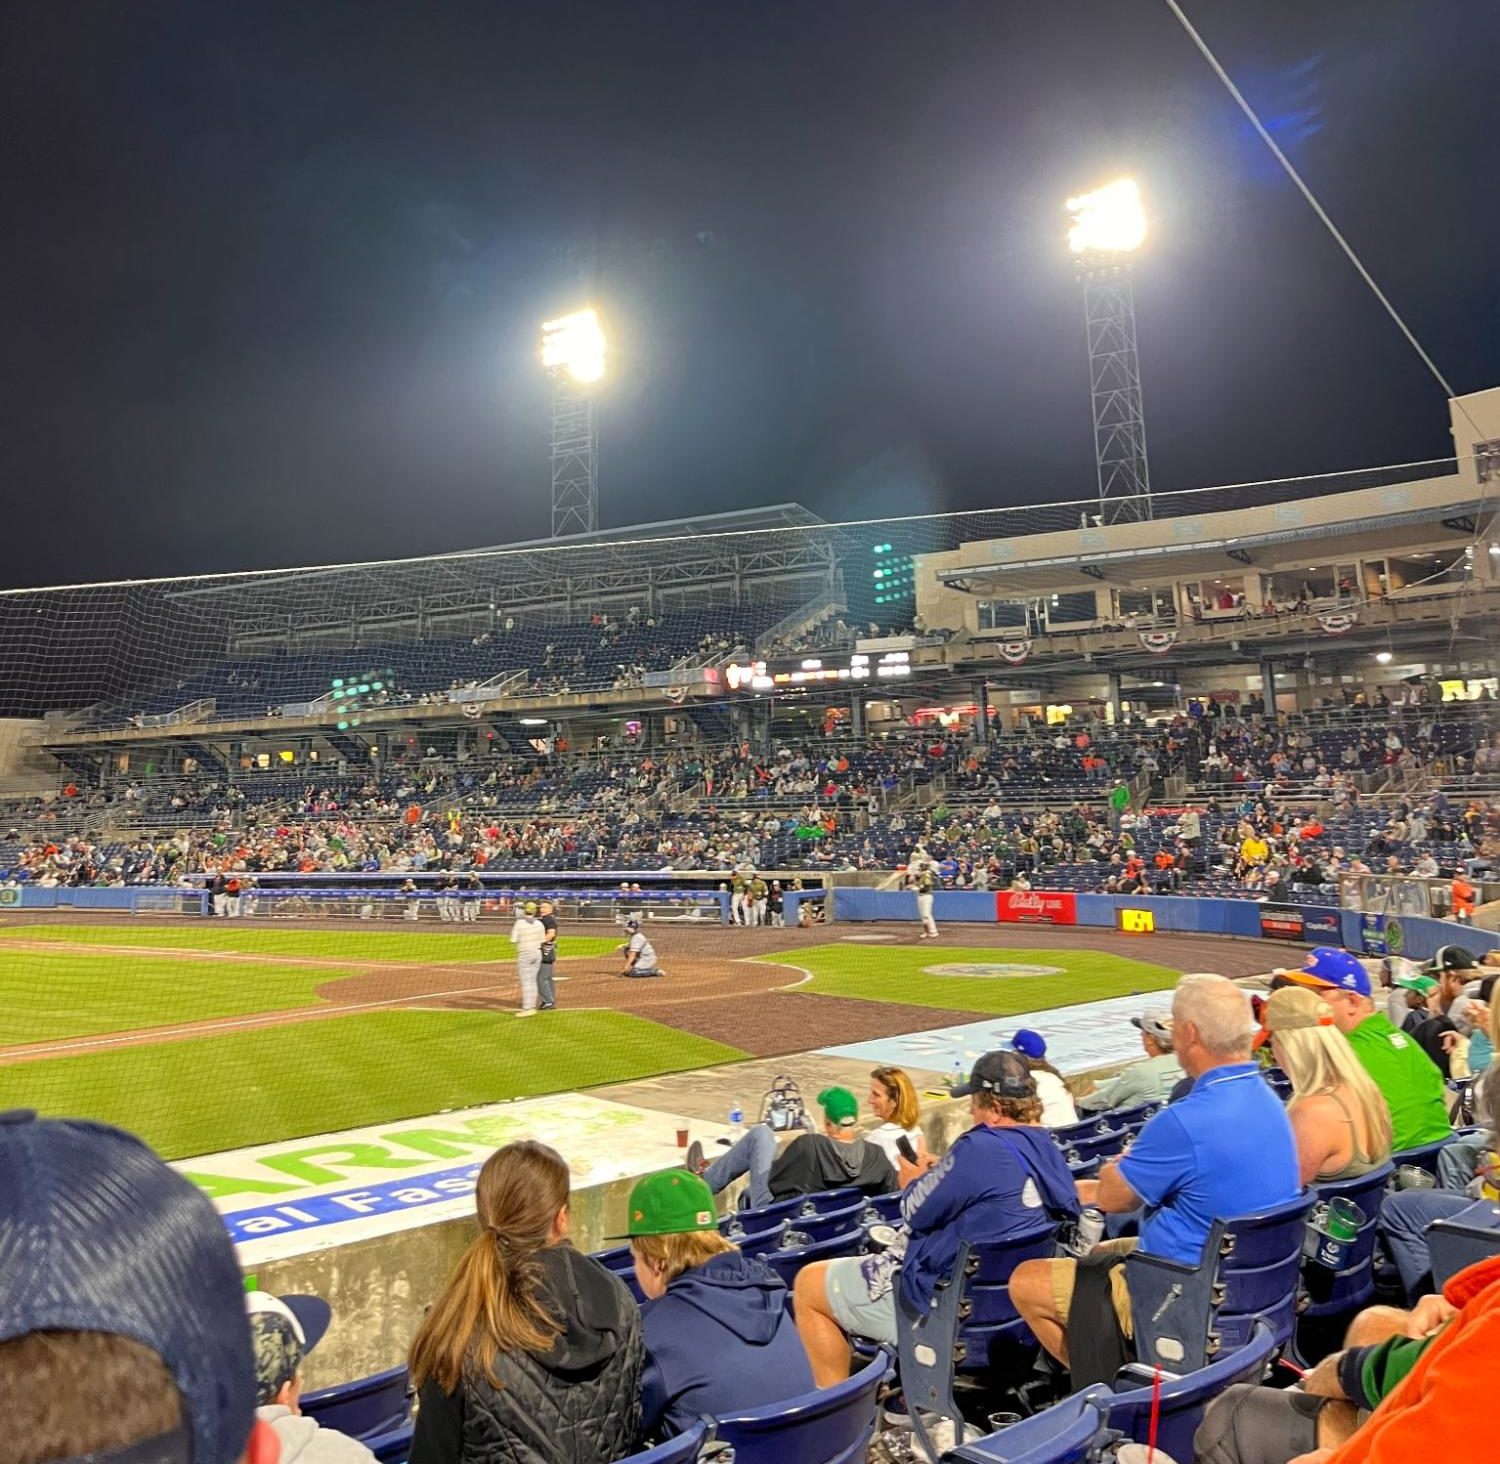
[[674, 1254], [494, 1301], [1320, 1060], [902, 1092]]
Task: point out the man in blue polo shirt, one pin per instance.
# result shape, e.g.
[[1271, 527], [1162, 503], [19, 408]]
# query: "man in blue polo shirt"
[[1225, 1149]]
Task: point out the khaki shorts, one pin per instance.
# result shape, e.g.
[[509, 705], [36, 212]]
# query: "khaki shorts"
[[1065, 1274]]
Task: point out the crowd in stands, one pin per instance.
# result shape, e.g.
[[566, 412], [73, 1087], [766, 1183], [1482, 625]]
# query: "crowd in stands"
[[536, 1353], [1262, 815]]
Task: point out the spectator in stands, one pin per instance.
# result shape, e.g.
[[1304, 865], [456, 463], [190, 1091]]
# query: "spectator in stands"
[[719, 1335], [835, 1159], [1225, 1149], [532, 1353], [1408, 1080], [893, 1100], [1003, 1177], [283, 1330], [1341, 1123], [1151, 1081], [1057, 1101], [123, 1331], [1425, 1386]]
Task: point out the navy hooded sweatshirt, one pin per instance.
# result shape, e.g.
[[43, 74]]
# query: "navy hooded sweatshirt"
[[720, 1341], [992, 1184]]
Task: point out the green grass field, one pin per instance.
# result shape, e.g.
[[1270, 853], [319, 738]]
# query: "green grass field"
[[900, 975], [241, 1088]]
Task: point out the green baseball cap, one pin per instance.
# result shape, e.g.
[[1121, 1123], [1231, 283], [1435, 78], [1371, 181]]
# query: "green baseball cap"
[[671, 1202], [839, 1105], [1422, 984], [529, 907]]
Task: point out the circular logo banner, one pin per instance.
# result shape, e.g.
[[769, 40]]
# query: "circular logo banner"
[[992, 968]]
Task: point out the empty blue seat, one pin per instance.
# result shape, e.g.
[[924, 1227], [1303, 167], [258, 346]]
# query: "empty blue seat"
[[787, 1261], [1074, 1431], [392, 1447], [828, 1223], [1470, 1236], [1185, 1316], [366, 1407], [1424, 1156], [681, 1450], [1185, 1396], [830, 1426]]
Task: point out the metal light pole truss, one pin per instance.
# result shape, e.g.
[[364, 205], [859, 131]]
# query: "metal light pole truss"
[[575, 459], [1115, 384]]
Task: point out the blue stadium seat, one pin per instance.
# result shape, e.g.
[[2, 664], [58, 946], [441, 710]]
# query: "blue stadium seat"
[[392, 1447], [680, 1450], [828, 1223], [1352, 1287], [1074, 1431], [830, 1426], [1468, 1237], [1185, 1396], [970, 1315], [1424, 1156], [1186, 1316], [364, 1408], [787, 1261]]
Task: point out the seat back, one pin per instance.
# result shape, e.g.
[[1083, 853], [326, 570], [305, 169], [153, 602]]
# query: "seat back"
[[1186, 1315], [680, 1450], [1133, 1118], [971, 1311], [825, 1201], [887, 1207], [828, 1223], [787, 1262], [830, 1426], [1353, 1286], [1424, 1156], [372, 1405], [393, 1447], [753, 1221], [1108, 1143], [1074, 1431], [1471, 1235], [1184, 1397]]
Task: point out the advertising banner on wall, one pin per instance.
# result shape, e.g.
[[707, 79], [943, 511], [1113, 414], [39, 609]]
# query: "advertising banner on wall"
[[1322, 926], [1372, 934], [1281, 922], [1036, 907]]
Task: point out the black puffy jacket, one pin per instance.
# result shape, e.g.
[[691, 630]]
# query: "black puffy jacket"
[[577, 1403]]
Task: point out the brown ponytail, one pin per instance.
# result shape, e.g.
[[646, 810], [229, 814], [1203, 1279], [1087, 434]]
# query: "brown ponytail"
[[494, 1301]]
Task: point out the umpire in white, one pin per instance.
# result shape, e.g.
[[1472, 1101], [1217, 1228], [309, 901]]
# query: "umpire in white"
[[528, 935]]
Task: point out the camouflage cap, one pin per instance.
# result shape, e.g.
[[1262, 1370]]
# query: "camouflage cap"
[[283, 1330]]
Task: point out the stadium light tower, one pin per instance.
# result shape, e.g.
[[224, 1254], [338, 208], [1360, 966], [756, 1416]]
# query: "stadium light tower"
[[1109, 225], [573, 353]]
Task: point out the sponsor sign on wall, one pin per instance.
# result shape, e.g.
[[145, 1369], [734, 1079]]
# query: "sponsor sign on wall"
[[1372, 934], [1135, 922], [1036, 907], [1281, 922], [1322, 926]]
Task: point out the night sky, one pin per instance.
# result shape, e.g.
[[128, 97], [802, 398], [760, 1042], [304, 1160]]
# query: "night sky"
[[272, 271]]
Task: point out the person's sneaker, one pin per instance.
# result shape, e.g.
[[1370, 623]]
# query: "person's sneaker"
[[693, 1161], [526, 1012], [548, 1006]]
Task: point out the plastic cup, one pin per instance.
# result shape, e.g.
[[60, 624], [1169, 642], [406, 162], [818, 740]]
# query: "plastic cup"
[[999, 1421], [682, 1135], [1412, 1176], [1344, 1219]]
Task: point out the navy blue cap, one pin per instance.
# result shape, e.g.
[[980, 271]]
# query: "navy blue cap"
[[98, 1235]]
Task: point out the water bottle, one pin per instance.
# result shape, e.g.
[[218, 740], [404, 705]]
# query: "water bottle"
[[958, 1076], [736, 1120]]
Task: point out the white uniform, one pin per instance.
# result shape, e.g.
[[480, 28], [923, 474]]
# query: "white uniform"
[[528, 935], [644, 952]]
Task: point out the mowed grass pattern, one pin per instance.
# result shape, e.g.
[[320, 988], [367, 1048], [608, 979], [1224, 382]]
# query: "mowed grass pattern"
[[55, 994], [895, 973], [200, 1095]]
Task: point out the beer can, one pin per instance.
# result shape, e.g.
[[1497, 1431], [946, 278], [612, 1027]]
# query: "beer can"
[[1089, 1230]]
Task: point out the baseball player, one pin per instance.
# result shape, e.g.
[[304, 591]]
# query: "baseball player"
[[924, 881], [640, 956], [528, 935]]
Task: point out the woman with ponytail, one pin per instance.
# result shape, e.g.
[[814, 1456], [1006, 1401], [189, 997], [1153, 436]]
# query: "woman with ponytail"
[[532, 1353]]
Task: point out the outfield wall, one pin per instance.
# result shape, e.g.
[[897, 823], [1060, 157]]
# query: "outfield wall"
[[1414, 936]]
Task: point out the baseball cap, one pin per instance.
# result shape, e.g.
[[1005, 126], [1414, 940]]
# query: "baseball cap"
[[1002, 1073], [1029, 1044], [98, 1235], [1156, 1023], [1451, 958], [283, 1330], [839, 1105], [1292, 1009], [1416, 981], [632, 924], [1327, 968], [671, 1202]]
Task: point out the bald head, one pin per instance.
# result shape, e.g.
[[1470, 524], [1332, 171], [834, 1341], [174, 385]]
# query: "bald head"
[[1211, 1023]]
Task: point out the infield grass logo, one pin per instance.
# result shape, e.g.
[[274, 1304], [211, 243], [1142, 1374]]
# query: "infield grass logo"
[[992, 968]]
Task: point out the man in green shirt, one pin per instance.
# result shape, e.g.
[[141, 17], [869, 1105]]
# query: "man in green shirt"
[[1408, 1079], [1119, 801]]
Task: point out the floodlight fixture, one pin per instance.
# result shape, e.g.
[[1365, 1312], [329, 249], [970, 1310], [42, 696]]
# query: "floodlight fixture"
[[1110, 220], [574, 344]]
